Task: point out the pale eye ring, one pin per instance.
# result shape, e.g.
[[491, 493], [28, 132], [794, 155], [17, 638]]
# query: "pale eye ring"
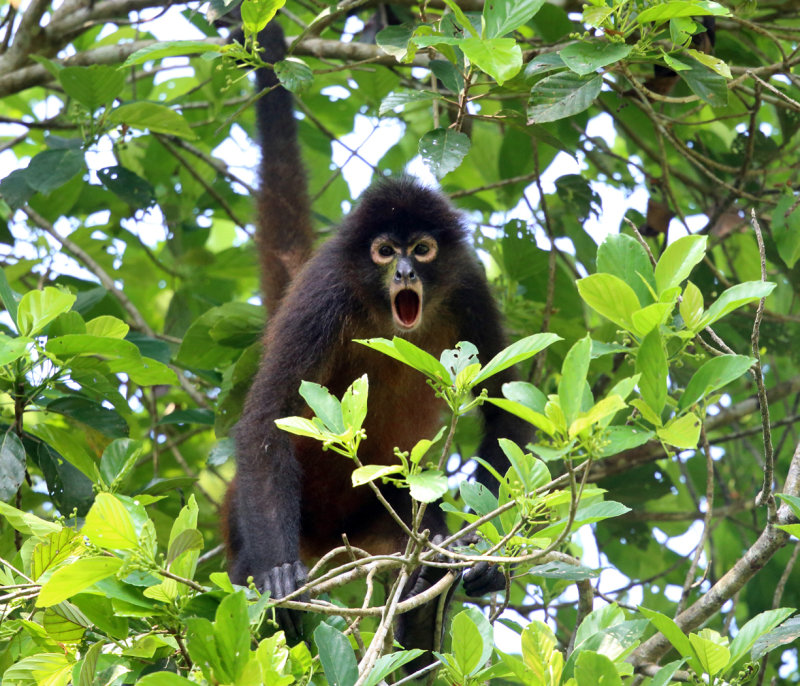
[[422, 249]]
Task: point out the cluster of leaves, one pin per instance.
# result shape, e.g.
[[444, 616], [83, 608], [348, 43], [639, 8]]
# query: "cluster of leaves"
[[123, 370]]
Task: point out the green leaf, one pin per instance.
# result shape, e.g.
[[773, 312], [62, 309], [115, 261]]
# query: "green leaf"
[[754, 629], [611, 297], [713, 63], [354, 403], [691, 307], [518, 351], [734, 297], [623, 256], [503, 16], [712, 375], [47, 669], [178, 48], [396, 41], [128, 186], [678, 260], [562, 95], [38, 308], [163, 679], [651, 317], [370, 472], [594, 669], [672, 632], [712, 656], [564, 571], [51, 169], [681, 8], [651, 363], [65, 623], [785, 229], [386, 664], [500, 58], [706, 84], [537, 419], [107, 326], [447, 73], [782, 636], [12, 465], [324, 405], [86, 676], [256, 14], [461, 18], [336, 656], [408, 353], [619, 438], [15, 189], [92, 86], [55, 548], [10, 299], [682, 432], [300, 426], [76, 577], [189, 539], [573, 378], [294, 74], [539, 653], [152, 117], [472, 640], [108, 524], [604, 409], [232, 637], [586, 57], [26, 523], [428, 486], [443, 150], [119, 458]]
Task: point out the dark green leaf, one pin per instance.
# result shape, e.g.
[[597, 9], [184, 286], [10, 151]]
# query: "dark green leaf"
[[153, 117], [586, 57], [176, 48], [448, 74], [706, 84], [12, 465], [15, 189], [651, 363], [92, 86], [563, 570], [784, 635], [562, 95], [132, 188], [713, 375], [92, 414], [294, 74], [623, 256], [53, 168], [443, 150], [336, 656]]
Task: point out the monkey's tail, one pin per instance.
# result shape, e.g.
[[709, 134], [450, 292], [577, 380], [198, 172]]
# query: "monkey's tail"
[[284, 233]]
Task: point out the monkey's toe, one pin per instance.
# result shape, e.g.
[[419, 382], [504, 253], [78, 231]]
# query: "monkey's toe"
[[483, 578]]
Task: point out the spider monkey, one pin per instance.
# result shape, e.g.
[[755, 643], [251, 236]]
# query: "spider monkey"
[[400, 264]]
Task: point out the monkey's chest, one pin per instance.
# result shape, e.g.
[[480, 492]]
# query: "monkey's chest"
[[401, 410]]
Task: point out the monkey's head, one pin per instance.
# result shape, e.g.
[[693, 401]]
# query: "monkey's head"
[[410, 242]]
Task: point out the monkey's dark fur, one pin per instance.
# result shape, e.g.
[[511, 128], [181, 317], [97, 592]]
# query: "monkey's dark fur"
[[291, 502]]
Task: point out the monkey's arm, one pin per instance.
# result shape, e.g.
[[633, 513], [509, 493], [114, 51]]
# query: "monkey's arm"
[[303, 338]]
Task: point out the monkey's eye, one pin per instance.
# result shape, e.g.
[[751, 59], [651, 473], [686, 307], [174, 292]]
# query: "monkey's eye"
[[421, 249], [386, 250]]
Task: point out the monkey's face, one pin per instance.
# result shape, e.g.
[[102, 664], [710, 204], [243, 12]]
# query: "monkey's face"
[[404, 266]]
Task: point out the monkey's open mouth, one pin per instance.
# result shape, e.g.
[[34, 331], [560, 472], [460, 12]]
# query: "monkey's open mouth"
[[406, 308]]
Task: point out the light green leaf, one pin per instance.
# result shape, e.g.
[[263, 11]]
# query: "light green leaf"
[[518, 351], [678, 260], [573, 378], [503, 16], [537, 419], [256, 14], [500, 58], [672, 632], [713, 63], [623, 256], [109, 525], [76, 577], [734, 297], [607, 407], [371, 472], [323, 405], [354, 403], [712, 375], [681, 8], [611, 297], [472, 640], [177, 48], [153, 117], [710, 653], [38, 308], [756, 627], [594, 669], [651, 363], [26, 523], [300, 426], [427, 486], [682, 432], [107, 326], [336, 656], [785, 229], [691, 307]]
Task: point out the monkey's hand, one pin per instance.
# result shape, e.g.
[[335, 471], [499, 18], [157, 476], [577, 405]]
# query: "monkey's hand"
[[483, 578], [281, 581]]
